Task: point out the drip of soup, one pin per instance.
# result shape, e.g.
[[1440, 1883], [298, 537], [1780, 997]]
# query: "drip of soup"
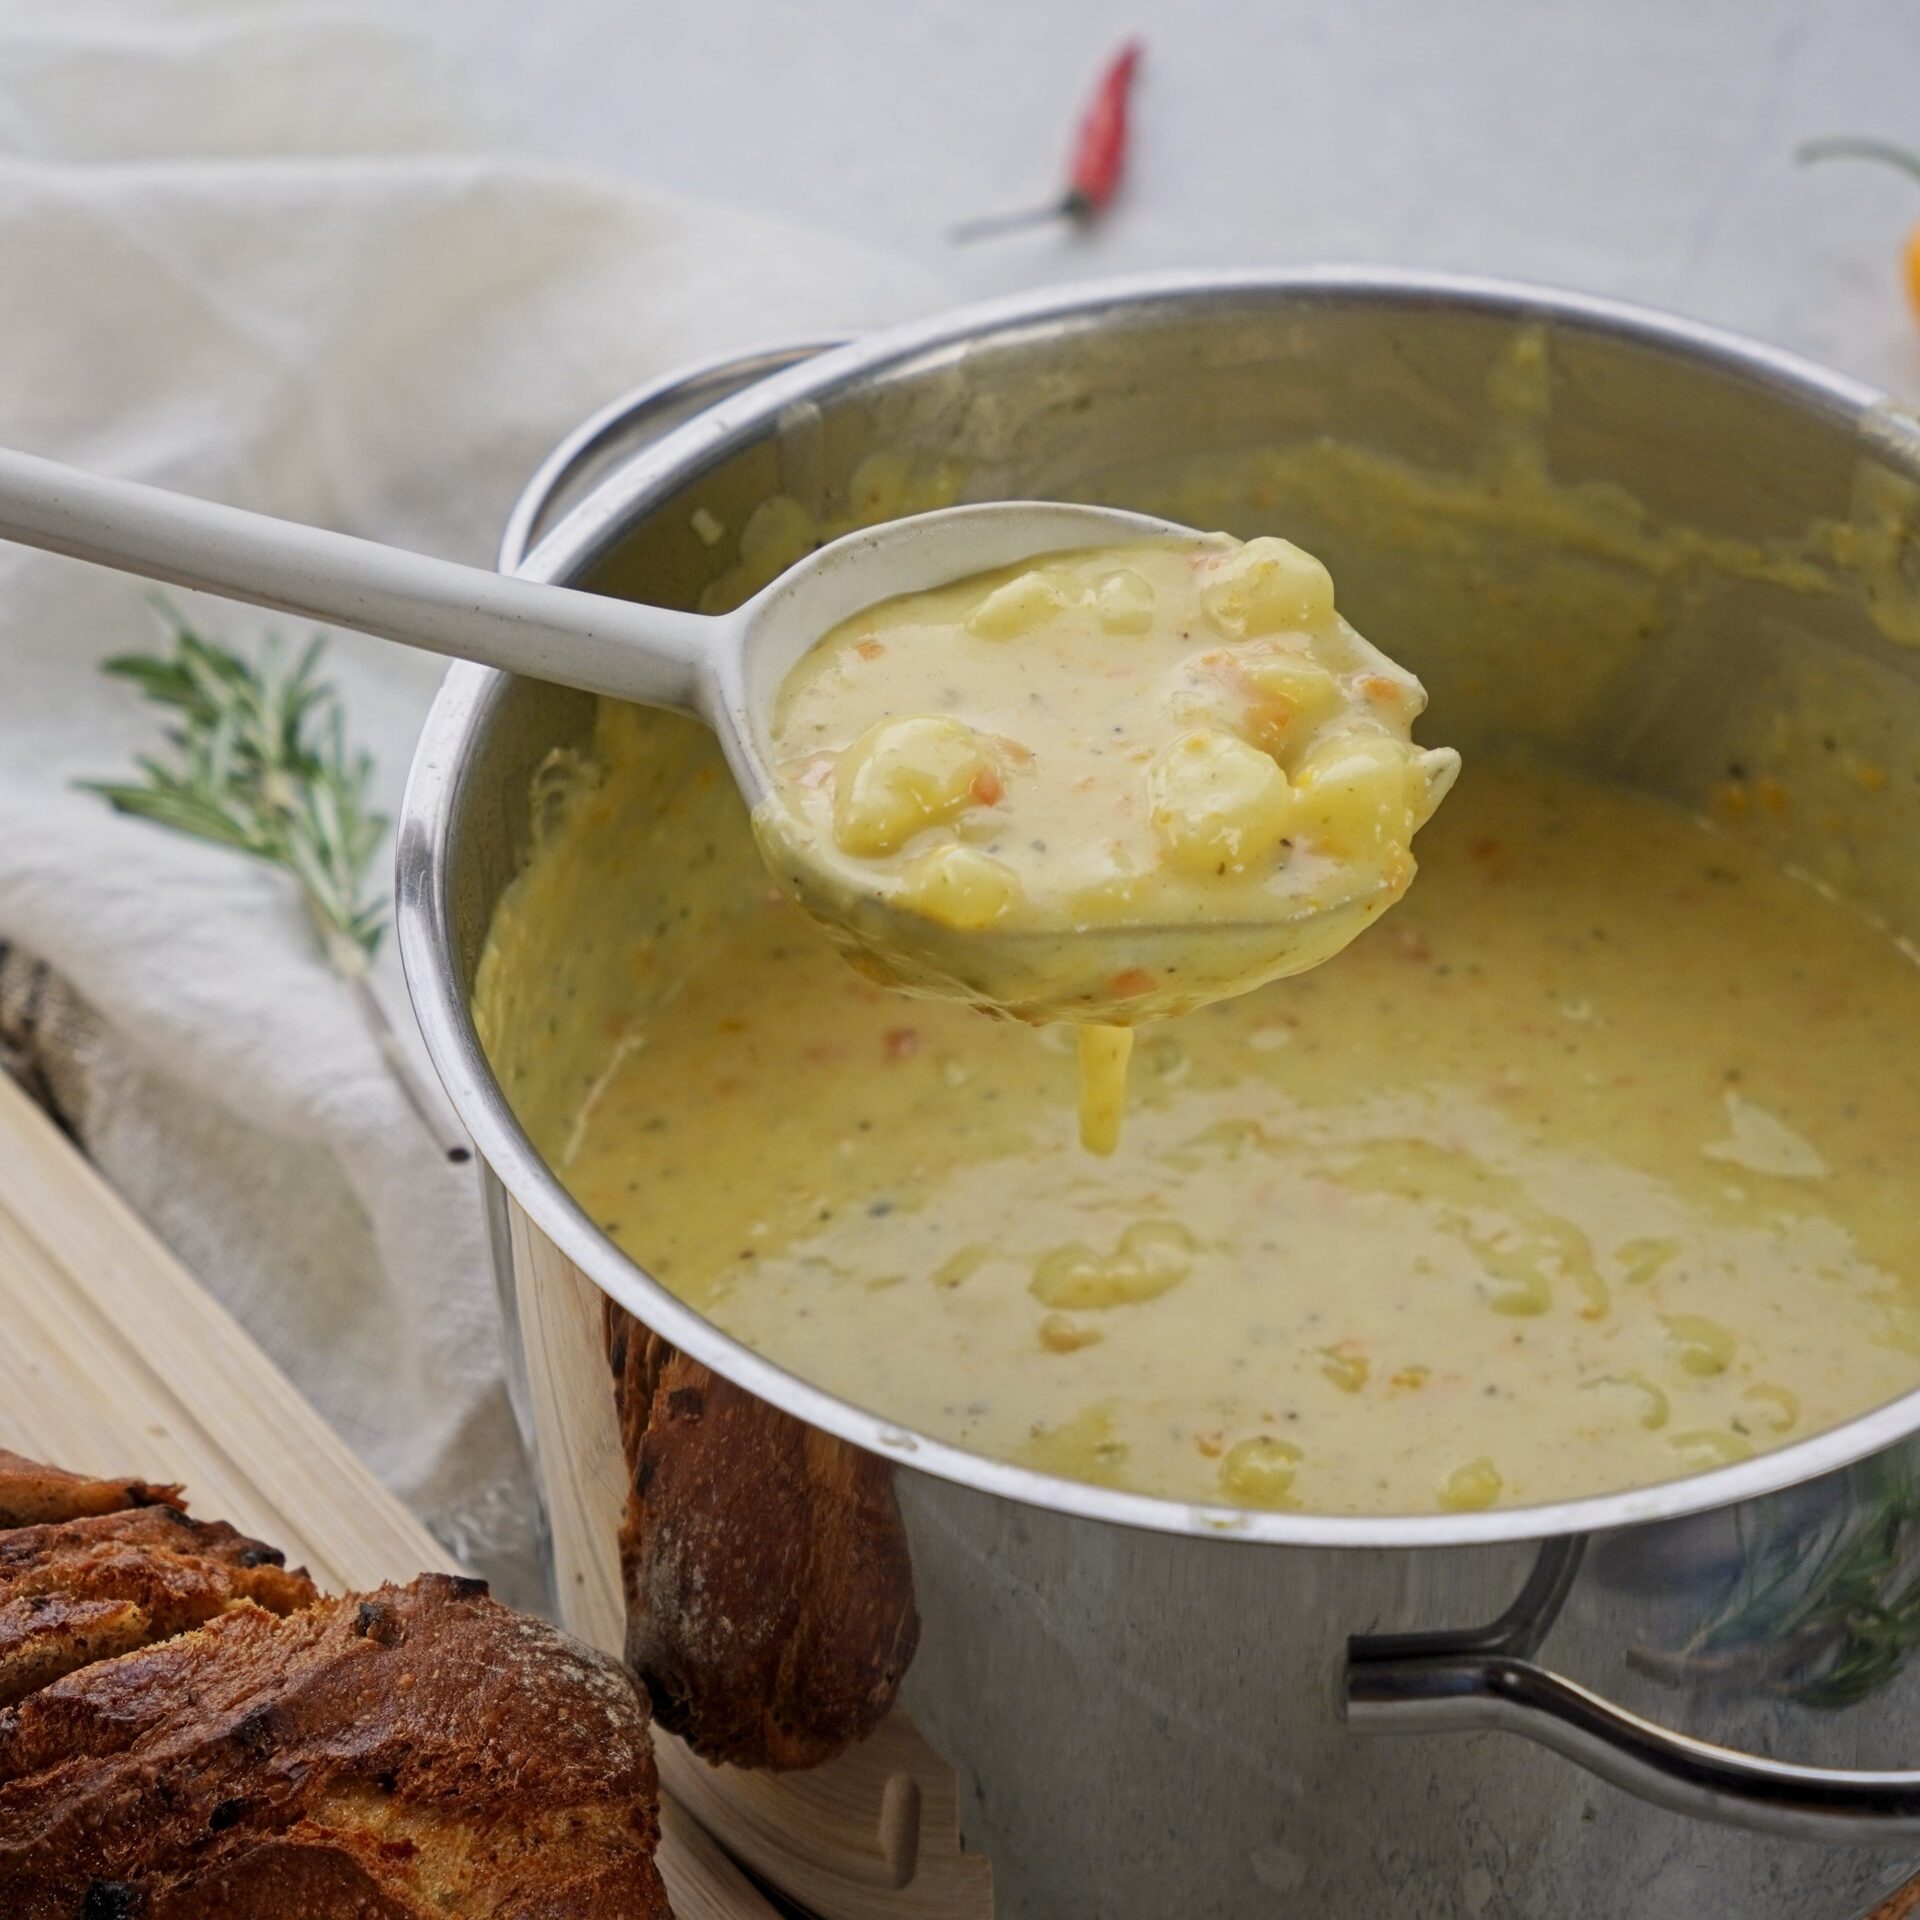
[[1103, 787], [1585, 1171]]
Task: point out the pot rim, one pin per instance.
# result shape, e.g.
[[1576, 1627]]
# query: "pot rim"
[[470, 693]]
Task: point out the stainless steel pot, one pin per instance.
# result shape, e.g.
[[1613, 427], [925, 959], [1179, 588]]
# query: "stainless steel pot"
[[1153, 1709]]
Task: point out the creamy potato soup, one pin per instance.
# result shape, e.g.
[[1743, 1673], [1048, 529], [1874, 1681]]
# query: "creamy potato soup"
[[994, 789], [1587, 1169]]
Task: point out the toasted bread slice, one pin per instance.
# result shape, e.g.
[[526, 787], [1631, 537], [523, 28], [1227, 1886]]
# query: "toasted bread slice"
[[32, 1493], [418, 1751], [78, 1591]]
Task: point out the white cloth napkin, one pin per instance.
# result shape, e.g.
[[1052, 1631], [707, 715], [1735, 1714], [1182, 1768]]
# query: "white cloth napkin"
[[254, 251]]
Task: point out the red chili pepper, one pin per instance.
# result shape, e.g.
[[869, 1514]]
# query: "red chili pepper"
[[1099, 156], [1100, 153]]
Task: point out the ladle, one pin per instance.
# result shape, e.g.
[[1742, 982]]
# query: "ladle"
[[724, 669]]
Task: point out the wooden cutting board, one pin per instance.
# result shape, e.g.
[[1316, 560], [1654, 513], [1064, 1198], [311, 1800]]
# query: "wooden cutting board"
[[114, 1359]]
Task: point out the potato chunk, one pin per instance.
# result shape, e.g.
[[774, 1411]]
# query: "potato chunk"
[[1152, 1257], [959, 887], [1218, 805], [1267, 586], [1009, 611], [1469, 1488], [903, 775], [1286, 695], [1260, 1472], [1124, 602], [1355, 795]]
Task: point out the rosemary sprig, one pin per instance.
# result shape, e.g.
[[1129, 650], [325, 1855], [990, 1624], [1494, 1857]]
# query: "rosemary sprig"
[[260, 763], [1824, 1609]]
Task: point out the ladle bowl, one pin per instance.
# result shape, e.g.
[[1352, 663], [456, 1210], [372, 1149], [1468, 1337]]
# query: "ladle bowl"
[[724, 669]]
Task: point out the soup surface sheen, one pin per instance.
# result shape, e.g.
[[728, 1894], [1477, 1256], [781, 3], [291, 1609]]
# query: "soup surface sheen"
[[1583, 1171]]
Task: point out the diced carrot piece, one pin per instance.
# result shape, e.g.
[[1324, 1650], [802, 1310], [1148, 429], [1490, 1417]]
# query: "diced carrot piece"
[[988, 787], [1134, 980], [870, 649]]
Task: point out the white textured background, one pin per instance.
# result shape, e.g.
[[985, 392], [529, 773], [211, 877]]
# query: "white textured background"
[[1634, 147]]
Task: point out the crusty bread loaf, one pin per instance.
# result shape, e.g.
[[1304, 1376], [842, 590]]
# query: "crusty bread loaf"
[[769, 1589], [418, 1751], [76, 1591], [32, 1493]]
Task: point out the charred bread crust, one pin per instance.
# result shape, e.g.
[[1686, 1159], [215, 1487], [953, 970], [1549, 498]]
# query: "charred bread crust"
[[32, 1493], [410, 1752], [769, 1587], [25, 1551], [77, 1591]]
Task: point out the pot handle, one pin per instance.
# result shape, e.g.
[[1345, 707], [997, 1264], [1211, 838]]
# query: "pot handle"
[[1433, 1683], [632, 422]]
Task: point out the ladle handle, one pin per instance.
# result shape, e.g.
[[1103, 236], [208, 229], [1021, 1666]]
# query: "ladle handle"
[[578, 639]]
